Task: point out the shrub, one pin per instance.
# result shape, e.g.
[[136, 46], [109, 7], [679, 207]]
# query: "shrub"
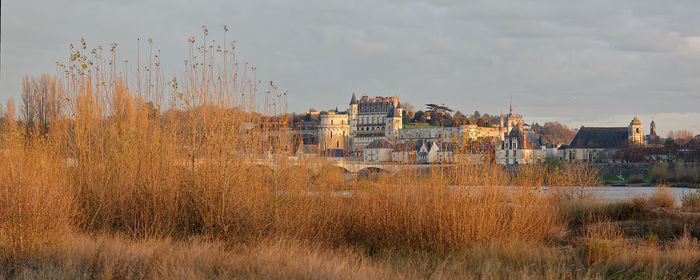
[[636, 178], [686, 173], [35, 202], [662, 197], [602, 239], [691, 201], [659, 173]]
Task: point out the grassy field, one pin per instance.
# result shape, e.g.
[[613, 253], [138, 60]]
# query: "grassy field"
[[418, 125], [158, 182]]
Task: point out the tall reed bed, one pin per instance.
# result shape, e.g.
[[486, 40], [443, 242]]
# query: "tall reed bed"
[[209, 154]]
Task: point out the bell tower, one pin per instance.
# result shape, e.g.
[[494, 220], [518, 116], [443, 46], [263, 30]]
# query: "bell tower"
[[636, 131]]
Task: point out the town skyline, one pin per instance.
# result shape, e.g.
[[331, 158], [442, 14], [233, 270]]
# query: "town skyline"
[[600, 66]]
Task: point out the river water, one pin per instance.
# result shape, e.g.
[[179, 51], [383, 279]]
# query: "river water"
[[625, 193]]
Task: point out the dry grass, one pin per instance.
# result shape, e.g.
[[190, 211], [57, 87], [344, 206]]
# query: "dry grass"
[[691, 201], [36, 205], [662, 197], [116, 258]]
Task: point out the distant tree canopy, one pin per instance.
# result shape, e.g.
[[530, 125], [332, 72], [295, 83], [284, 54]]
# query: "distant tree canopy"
[[419, 117], [407, 107], [483, 122], [460, 119], [554, 132]]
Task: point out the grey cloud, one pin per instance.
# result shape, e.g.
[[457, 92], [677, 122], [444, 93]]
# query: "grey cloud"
[[578, 61]]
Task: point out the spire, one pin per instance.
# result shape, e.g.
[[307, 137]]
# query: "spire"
[[511, 105], [353, 100]]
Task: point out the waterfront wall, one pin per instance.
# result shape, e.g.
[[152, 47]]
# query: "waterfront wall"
[[627, 169]]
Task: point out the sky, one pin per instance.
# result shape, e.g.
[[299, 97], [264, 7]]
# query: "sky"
[[591, 63]]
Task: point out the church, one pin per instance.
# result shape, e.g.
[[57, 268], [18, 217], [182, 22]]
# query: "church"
[[599, 144]]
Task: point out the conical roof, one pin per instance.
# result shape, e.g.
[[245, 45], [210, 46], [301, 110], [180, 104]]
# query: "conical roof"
[[353, 100]]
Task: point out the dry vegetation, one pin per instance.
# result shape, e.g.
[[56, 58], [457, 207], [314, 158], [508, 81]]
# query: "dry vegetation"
[[111, 184]]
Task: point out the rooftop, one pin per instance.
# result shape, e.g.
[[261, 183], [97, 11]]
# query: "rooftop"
[[599, 137]]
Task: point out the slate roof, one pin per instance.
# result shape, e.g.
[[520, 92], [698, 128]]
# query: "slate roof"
[[411, 146], [394, 113], [599, 137], [334, 153], [532, 142], [380, 144]]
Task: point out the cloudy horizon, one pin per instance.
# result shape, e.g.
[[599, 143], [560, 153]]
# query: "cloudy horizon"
[[594, 63]]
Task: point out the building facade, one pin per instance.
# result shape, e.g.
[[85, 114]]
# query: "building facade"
[[370, 119], [333, 132]]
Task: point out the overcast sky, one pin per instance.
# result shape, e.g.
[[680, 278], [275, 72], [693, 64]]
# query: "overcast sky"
[[593, 63]]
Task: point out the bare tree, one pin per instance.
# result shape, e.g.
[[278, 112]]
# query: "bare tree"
[[28, 105], [42, 103], [680, 135], [10, 110]]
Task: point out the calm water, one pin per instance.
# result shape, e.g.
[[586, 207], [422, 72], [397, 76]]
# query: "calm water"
[[610, 193], [625, 193]]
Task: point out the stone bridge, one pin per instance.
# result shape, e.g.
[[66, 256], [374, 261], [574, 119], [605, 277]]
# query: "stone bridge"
[[362, 166], [358, 166]]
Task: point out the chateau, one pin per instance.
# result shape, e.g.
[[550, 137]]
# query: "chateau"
[[371, 129], [365, 121], [372, 123]]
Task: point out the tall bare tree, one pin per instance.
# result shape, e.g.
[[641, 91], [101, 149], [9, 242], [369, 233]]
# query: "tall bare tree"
[[10, 110], [42, 102], [680, 135]]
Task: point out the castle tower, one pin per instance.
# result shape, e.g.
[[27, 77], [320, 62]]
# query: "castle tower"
[[652, 129], [394, 122], [352, 114], [636, 131], [333, 132]]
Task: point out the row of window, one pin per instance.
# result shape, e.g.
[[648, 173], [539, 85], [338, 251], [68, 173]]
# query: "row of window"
[[372, 128], [509, 145], [332, 134], [370, 120]]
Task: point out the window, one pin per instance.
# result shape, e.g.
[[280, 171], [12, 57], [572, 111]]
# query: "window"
[[337, 144], [331, 121], [637, 129]]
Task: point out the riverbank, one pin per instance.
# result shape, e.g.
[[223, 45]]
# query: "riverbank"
[[645, 237]]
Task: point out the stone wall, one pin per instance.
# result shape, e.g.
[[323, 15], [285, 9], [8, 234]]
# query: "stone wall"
[[627, 169], [624, 169]]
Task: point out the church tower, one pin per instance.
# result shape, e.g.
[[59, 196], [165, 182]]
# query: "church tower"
[[511, 105], [636, 131]]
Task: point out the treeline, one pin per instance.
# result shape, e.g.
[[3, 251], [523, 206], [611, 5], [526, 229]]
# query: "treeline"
[[687, 150]]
